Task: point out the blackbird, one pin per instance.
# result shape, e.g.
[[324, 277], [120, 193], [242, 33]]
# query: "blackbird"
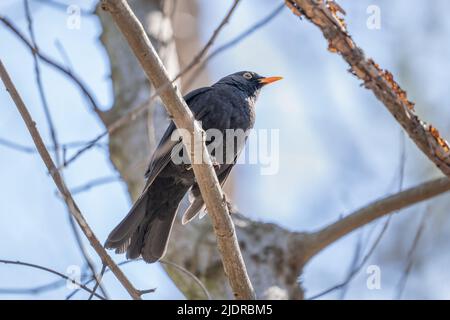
[[227, 104]]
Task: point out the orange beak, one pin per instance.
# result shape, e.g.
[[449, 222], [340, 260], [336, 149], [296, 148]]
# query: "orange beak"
[[269, 80]]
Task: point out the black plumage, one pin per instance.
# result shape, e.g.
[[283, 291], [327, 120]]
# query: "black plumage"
[[228, 104]]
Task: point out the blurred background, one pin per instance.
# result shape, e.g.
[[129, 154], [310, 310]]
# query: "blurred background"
[[339, 147]]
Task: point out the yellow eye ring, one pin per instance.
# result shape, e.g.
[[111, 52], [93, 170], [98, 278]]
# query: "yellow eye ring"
[[247, 75]]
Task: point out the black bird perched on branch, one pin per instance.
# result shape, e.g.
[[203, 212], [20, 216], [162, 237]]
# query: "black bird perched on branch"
[[228, 104]]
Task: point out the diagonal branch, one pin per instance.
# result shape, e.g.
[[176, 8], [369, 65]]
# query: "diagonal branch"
[[324, 14], [205, 175], [57, 178]]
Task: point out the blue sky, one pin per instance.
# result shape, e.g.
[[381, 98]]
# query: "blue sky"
[[339, 147]]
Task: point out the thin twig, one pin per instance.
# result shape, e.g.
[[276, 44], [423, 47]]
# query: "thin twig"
[[57, 178], [35, 290], [146, 291], [258, 25], [35, 266], [64, 55], [37, 71], [94, 183], [31, 150], [353, 265], [86, 147], [17, 146]]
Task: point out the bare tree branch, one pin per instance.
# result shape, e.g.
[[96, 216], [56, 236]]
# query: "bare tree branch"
[[324, 14], [57, 178], [204, 172], [64, 55], [142, 292]]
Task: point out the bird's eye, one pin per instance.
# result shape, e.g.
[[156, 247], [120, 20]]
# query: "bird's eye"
[[247, 75]]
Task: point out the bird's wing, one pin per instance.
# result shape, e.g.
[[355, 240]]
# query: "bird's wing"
[[161, 156]]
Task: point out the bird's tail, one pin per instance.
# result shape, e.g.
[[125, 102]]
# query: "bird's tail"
[[146, 229]]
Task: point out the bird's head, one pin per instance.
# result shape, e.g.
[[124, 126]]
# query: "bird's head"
[[248, 81]]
